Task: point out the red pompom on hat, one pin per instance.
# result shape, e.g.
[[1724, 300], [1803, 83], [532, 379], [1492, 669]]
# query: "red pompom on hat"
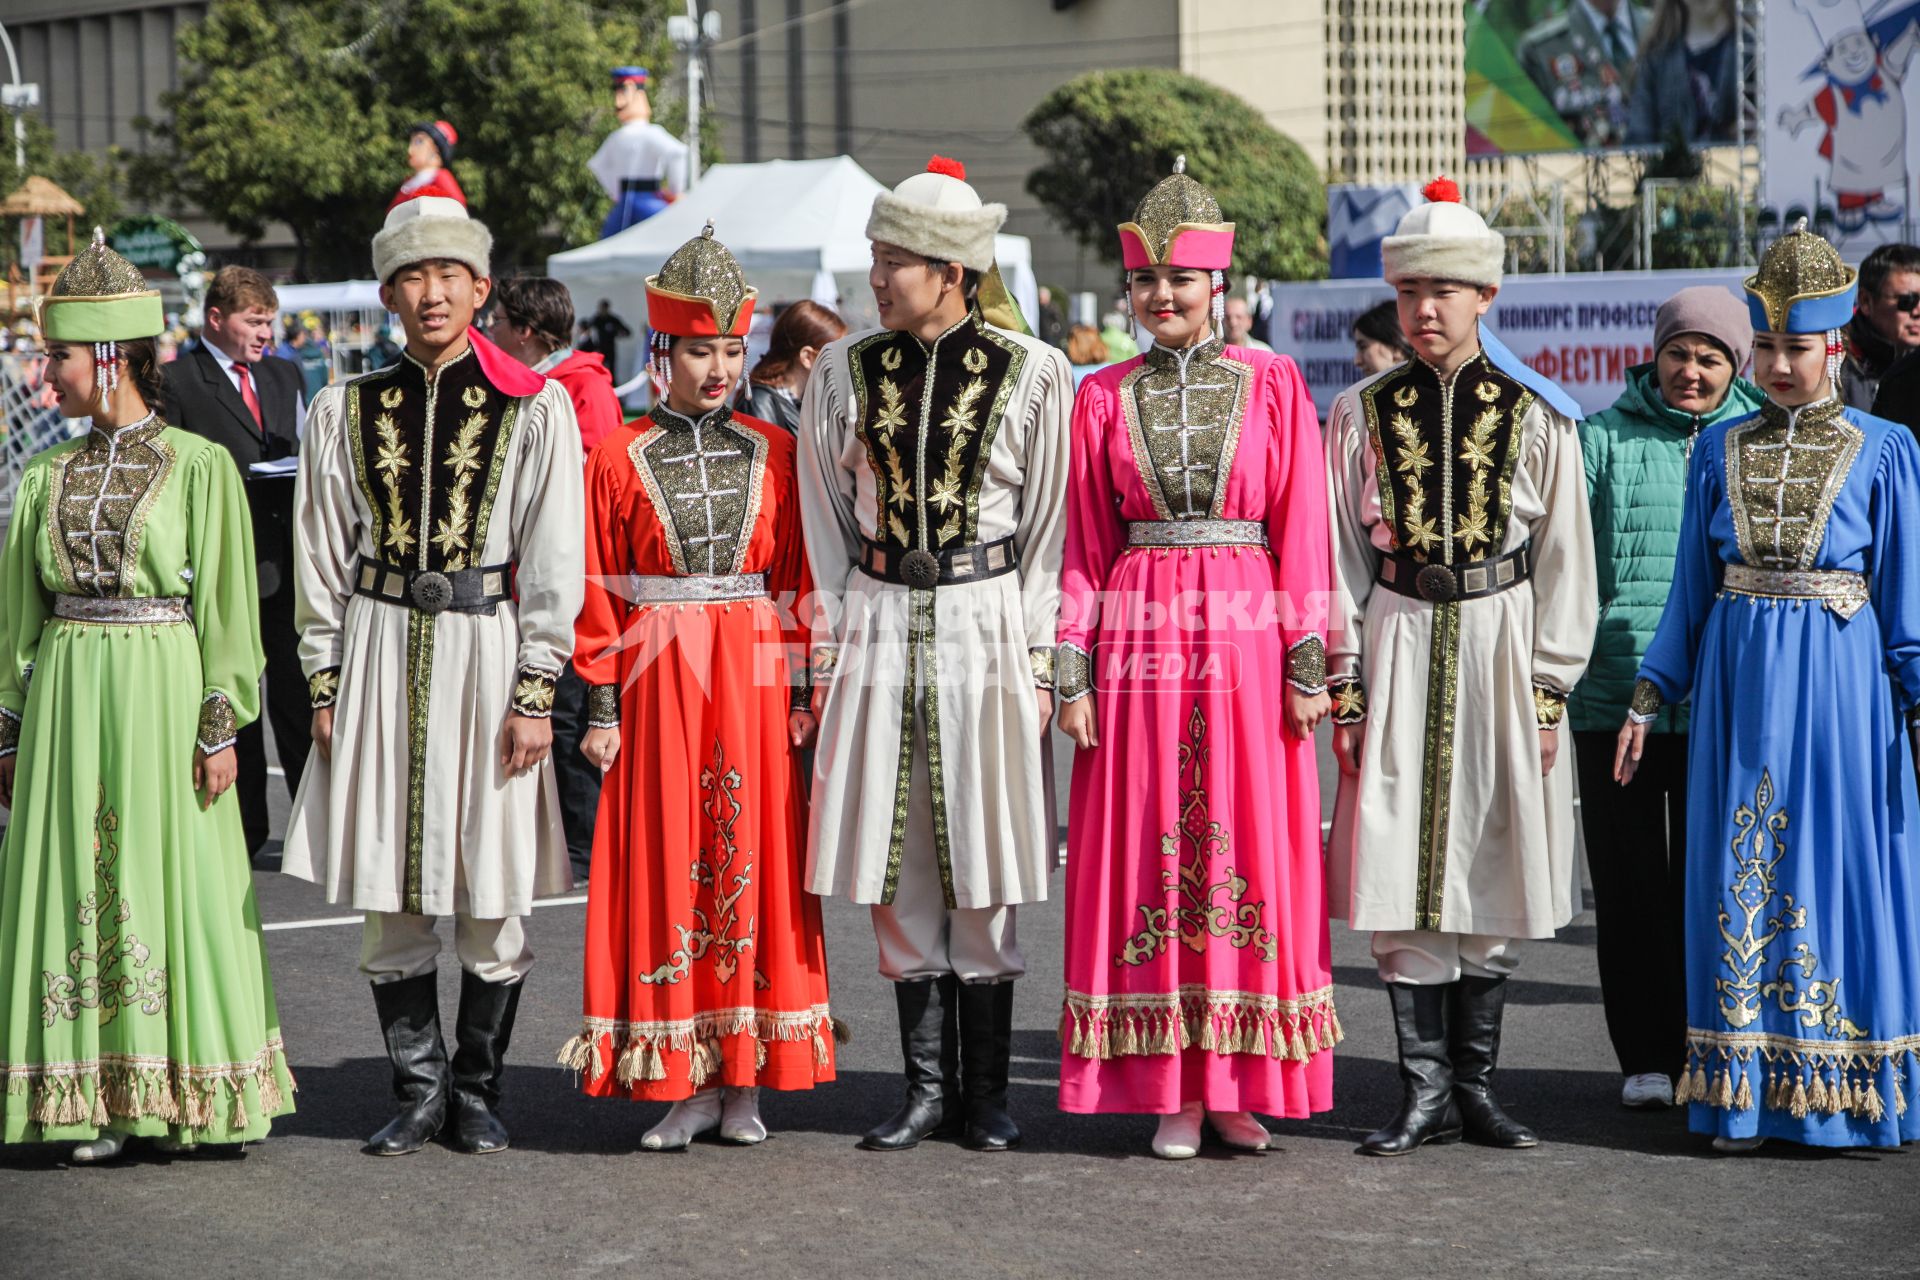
[[947, 165], [1442, 190]]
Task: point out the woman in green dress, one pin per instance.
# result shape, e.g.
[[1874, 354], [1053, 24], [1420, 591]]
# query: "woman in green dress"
[[134, 995]]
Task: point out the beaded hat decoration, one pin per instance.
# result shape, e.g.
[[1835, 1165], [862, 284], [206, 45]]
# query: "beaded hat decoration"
[[1178, 224], [1802, 286], [102, 299], [700, 292]]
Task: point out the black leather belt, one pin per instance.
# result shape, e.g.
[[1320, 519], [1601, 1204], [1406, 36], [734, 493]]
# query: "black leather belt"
[[430, 591], [1439, 583], [924, 570], [639, 186]]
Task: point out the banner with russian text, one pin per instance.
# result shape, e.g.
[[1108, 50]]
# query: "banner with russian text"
[[1583, 331]]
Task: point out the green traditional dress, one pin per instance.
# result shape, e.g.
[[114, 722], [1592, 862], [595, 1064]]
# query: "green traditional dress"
[[134, 992]]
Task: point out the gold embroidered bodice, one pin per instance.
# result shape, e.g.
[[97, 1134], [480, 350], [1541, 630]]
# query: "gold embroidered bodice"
[[98, 508], [1785, 467], [1184, 410], [928, 414], [704, 479], [427, 452], [1445, 453]]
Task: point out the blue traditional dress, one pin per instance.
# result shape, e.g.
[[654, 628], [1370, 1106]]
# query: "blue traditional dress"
[[1794, 624]]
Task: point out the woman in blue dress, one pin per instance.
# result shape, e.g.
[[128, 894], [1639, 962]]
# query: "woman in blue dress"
[[1794, 625]]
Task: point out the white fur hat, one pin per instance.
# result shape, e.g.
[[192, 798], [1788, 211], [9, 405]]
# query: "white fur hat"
[[1443, 240], [430, 227], [937, 215]]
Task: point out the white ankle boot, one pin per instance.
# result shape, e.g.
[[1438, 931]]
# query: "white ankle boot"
[[685, 1121], [740, 1116], [107, 1146], [1240, 1129], [1178, 1137], [1648, 1091]]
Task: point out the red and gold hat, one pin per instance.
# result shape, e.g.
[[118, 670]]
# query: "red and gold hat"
[[1178, 224], [700, 292]]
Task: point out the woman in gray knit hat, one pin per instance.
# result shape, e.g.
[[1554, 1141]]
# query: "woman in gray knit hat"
[[1636, 458]]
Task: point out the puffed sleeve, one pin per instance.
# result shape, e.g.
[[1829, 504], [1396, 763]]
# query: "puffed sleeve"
[[1355, 559], [1095, 538], [1666, 673], [1040, 533], [25, 603], [1892, 583], [1297, 524], [1566, 603], [547, 547], [826, 486], [787, 575], [604, 608], [326, 528], [226, 597]]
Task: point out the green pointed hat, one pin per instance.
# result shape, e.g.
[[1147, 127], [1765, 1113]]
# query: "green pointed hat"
[[99, 297]]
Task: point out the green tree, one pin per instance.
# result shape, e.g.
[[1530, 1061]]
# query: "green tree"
[[1108, 136], [98, 180], [296, 112]]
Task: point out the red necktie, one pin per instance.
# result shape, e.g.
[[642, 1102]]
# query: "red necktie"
[[246, 394]]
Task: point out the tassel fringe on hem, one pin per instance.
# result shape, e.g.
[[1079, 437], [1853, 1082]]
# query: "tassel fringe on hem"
[[97, 1093], [1801, 1078], [638, 1051], [1107, 1027]]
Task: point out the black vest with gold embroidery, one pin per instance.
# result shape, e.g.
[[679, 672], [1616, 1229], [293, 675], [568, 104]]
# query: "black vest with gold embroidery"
[[928, 414], [427, 453], [1445, 454]]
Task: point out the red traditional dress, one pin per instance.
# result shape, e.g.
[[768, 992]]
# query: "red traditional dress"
[[705, 962]]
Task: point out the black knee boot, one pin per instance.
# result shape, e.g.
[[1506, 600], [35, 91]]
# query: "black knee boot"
[[1474, 1027], [485, 1029], [410, 1023], [929, 1054], [1427, 1110], [986, 1053]]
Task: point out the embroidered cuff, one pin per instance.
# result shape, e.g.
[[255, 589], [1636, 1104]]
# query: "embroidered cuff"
[[1307, 665], [1072, 672], [603, 706], [533, 692], [9, 732], [1646, 704], [1349, 700], [822, 661], [1549, 706], [218, 728], [323, 688], [1041, 660]]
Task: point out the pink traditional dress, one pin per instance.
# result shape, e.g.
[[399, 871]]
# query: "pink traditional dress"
[[1195, 580]]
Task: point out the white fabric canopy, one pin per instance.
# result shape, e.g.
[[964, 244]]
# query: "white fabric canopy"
[[798, 228]]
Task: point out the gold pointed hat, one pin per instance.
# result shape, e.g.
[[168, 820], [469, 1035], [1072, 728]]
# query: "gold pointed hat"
[[700, 292], [99, 297], [1802, 286], [1178, 224]]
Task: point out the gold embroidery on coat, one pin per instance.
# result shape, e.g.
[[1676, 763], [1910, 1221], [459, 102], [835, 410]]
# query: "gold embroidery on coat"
[[1189, 849], [463, 459], [391, 462], [718, 931], [1783, 475], [112, 986], [1759, 833]]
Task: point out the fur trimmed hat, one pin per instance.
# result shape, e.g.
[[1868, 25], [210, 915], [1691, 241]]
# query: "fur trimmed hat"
[[431, 227], [1443, 240], [937, 215]]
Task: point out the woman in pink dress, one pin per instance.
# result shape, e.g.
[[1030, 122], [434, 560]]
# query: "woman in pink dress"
[[1191, 669]]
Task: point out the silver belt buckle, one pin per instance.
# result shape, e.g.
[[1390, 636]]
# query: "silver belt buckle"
[[1435, 582], [432, 592]]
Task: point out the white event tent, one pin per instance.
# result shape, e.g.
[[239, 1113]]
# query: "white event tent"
[[798, 228]]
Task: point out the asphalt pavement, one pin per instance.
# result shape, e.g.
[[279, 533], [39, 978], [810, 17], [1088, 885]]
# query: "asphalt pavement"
[[1608, 1193]]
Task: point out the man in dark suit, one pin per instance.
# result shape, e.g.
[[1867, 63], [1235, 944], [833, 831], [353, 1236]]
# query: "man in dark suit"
[[228, 389]]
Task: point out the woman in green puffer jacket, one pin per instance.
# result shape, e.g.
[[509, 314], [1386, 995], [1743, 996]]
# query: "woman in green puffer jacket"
[[1636, 456]]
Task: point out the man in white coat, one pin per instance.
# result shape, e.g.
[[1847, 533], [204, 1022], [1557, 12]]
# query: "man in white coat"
[[1465, 608], [439, 568], [933, 467]]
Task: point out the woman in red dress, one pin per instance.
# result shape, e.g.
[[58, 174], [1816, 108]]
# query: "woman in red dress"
[[706, 974]]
